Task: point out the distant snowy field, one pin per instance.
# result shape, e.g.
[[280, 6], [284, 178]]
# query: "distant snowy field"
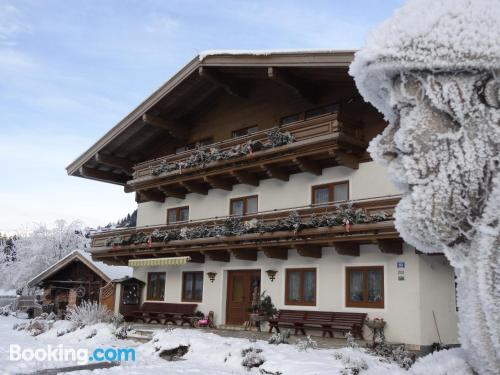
[[211, 354]]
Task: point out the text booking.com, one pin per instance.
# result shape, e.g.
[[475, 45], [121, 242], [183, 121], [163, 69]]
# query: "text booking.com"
[[82, 356]]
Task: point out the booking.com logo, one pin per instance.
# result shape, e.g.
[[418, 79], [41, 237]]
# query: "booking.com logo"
[[81, 356]]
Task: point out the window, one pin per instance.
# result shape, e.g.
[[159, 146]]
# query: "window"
[[156, 286], [289, 119], [244, 205], [334, 192], [177, 214], [315, 112], [193, 145], [192, 286], [130, 294], [245, 131], [365, 287], [300, 286]]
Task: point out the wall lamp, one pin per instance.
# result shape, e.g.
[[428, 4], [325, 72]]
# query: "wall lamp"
[[271, 274], [211, 276]]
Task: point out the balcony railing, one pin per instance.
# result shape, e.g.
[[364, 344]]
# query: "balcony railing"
[[315, 138], [375, 210]]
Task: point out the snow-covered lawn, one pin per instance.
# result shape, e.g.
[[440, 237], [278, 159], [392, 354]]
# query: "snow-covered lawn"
[[212, 354]]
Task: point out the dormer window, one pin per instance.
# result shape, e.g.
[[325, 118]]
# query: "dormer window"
[[245, 131]]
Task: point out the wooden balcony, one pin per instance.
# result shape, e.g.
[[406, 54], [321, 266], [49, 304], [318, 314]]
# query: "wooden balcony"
[[319, 143], [118, 246]]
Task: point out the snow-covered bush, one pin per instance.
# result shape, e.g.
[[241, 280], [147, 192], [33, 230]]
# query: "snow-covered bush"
[[279, 338], [6, 310], [350, 341], [252, 357], [353, 366], [35, 326], [89, 313], [308, 343], [394, 353]]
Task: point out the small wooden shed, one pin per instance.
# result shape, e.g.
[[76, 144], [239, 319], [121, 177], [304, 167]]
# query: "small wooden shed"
[[76, 278]]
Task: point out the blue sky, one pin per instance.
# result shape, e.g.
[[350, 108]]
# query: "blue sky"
[[70, 70]]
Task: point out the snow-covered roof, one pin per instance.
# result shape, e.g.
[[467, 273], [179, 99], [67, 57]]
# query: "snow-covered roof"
[[268, 52], [107, 272], [428, 35]]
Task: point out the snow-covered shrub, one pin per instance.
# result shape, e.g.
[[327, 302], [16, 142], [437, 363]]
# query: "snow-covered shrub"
[[394, 353], [6, 310], [91, 334], [89, 313], [122, 332], [252, 357], [279, 338], [350, 341], [308, 343], [353, 366]]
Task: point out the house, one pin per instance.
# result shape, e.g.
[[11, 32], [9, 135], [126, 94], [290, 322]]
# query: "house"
[[251, 173], [76, 278]]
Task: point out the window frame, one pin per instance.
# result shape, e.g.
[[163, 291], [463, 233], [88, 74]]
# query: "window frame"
[[365, 303], [149, 296], [331, 191], [234, 133], [184, 274], [301, 290], [177, 214], [245, 204]]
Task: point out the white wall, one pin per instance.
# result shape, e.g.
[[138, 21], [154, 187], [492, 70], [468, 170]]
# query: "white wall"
[[369, 181], [407, 303]]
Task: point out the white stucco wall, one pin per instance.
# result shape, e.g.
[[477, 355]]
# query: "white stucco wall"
[[408, 303], [369, 181]]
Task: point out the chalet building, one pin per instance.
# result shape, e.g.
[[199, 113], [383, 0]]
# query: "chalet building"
[[251, 173], [77, 278]]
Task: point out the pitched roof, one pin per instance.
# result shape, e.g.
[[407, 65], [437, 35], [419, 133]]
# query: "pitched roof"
[[106, 272], [175, 97]]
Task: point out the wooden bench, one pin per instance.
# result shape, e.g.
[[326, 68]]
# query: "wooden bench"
[[326, 321], [169, 312]]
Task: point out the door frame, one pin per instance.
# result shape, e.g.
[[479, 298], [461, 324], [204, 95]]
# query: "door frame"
[[228, 289]]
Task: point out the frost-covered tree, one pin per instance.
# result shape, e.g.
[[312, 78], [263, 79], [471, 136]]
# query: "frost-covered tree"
[[38, 249], [433, 71]]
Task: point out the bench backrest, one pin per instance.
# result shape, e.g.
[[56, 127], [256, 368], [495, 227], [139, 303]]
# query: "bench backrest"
[[291, 315], [349, 318], [173, 308], [319, 316]]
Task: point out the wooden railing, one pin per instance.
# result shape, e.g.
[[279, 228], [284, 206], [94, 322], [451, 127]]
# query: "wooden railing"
[[373, 205], [301, 130]]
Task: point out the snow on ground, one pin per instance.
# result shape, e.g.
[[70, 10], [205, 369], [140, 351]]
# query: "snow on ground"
[[210, 354]]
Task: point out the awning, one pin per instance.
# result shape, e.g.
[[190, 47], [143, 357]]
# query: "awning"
[[152, 262]]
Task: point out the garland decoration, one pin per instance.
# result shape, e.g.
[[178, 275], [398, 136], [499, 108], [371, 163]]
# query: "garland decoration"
[[202, 156], [236, 226]]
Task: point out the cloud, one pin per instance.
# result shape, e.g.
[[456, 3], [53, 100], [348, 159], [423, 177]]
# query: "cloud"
[[11, 24]]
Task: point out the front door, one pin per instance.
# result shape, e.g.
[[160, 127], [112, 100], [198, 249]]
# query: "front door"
[[242, 287]]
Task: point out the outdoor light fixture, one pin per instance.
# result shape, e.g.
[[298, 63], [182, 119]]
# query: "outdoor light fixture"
[[211, 276], [271, 274]]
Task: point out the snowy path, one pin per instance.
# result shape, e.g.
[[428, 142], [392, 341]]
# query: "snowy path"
[[208, 354]]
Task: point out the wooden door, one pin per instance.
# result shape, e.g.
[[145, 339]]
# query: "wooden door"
[[241, 285]]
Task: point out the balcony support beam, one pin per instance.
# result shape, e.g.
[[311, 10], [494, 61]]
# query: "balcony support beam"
[[246, 178], [176, 130], [194, 187], [285, 79], [116, 162], [218, 183], [275, 252], [347, 248], [142, 196], [307, 165], [390, 246], [276, 172], [170, 192], [231, 86], [311, 251], [345, 159], [218, 255], [245, 254]]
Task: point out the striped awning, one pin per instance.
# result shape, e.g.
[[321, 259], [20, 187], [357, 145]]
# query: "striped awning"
[[152, 262]]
